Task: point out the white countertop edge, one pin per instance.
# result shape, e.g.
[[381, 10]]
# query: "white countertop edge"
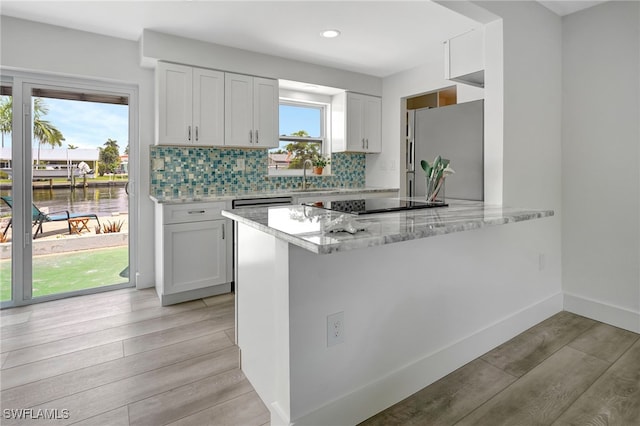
[[510, 215]]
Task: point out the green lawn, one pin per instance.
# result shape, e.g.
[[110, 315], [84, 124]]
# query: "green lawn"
[[61, 273]]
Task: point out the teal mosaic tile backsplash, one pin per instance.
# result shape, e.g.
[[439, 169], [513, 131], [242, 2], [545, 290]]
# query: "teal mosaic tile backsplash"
[[211, 170]]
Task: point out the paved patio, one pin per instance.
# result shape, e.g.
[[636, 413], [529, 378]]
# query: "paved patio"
[[55, 237]]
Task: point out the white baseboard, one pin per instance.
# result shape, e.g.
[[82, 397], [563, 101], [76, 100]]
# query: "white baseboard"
[[376, 396], [603, 312], [278, 416]]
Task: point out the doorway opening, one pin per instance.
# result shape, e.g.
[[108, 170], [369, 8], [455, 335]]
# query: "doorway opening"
[[64, 192]]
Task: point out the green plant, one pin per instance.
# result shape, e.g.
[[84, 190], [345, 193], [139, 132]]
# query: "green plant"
[[110, 227], [320, 161]]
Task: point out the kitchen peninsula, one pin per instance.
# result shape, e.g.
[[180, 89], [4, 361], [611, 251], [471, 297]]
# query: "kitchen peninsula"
[[334, 327]]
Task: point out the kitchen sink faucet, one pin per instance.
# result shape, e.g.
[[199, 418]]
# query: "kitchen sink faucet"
[[304, 172]]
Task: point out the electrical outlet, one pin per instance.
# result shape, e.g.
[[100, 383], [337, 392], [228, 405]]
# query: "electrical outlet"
[[240, 166], [335, 329], [542, 261]]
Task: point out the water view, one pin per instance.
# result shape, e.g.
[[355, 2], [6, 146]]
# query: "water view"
[[103, 201]]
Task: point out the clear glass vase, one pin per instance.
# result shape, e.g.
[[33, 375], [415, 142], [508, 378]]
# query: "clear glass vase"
[[434, 192]]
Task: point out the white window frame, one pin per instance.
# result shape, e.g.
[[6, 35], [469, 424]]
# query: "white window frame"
[[323, 139]]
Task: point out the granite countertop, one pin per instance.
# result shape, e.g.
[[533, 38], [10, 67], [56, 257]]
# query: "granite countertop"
[[306, 226], [320, 192]]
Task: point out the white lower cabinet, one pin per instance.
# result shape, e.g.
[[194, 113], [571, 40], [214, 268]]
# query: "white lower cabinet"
[[193, 256]]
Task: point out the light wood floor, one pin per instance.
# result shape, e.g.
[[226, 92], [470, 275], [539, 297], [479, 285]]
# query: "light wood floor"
[[567, 370], [118, 358]]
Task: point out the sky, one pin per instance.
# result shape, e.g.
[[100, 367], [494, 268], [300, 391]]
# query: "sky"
[[87, 124], [296, 118]]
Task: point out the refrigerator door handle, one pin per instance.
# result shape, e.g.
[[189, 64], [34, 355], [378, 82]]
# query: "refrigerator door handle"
[[411, 151], [412, 154], [411, 189]]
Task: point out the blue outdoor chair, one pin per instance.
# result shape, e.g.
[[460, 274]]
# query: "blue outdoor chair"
[[39, 217]]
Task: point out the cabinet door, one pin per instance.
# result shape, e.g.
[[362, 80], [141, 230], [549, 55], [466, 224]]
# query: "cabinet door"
[[238, 102], [195, 255], [174, 83], [266, 112], [464, 58], [208, 107], [372, 126], [354, 117], [466, 53]]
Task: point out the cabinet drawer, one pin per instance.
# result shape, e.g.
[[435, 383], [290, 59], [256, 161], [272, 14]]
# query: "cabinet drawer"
[[193, 212]]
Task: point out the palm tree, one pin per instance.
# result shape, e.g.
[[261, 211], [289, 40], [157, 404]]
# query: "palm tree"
[[43, 130], [109, 157], [5, 117]]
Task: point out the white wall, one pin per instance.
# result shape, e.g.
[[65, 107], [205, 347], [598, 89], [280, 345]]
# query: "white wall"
[[30, 46], [524, 141], [601, 163], [532, 102], [158, 46]]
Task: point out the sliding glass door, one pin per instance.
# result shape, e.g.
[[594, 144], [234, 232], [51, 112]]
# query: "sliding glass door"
[[66, 196], [6, 213]]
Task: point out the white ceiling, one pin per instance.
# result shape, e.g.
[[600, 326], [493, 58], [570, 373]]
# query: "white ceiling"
[[378, 37], [565, 7]]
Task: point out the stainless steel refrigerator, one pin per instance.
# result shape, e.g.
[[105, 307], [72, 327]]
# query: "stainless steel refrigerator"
[[455, 132]]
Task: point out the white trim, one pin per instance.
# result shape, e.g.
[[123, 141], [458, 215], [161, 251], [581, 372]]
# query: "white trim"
[[410, 378], [603, 312]]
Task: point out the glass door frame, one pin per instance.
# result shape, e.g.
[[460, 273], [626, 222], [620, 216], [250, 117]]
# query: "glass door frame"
[[21, 145]]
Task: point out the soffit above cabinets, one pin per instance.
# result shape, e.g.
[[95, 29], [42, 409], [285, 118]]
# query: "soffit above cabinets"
[[297, 86]]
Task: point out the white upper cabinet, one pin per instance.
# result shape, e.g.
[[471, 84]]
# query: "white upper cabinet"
[[238, 106], [356, 123], [266, 117], [464, 58], [372, 127], [208, 107], [190, 105], [251, 111]]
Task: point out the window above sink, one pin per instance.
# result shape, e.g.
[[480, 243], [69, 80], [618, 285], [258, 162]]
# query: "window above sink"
[[304, 112]]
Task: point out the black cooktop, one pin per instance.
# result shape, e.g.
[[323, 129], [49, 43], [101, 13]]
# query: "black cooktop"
[[373, 205]]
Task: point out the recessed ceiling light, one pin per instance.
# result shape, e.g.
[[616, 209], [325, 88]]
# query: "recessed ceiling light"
[[330, 33]]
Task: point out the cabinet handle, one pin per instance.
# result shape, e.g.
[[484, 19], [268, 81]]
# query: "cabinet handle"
[[367, 143], [196, 212], [223, 231], [363, 143], [257, 140], [196, 133], [189, 133], [250, 136]]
